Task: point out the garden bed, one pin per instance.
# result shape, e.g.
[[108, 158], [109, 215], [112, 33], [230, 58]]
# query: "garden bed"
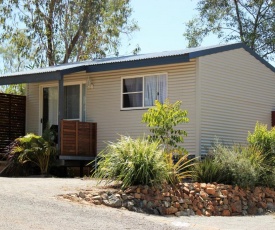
[[186, 199]]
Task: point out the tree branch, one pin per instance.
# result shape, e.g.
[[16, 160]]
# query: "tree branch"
[[247, 9], [82, 28], [239, 20], [49, 34], [71, 46]]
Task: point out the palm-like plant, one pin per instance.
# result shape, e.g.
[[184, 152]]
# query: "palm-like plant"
[[182, 169], [33, 148]]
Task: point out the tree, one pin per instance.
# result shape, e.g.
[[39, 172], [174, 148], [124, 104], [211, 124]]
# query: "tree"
[[17, 89], [61, 31], [12, 61], [163, 120], [249, 21]]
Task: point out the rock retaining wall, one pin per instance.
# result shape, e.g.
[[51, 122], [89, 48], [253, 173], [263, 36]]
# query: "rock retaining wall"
[[189, 199]]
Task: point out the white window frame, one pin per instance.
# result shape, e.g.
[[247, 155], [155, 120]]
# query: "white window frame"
[[42, 86], [141, 76]]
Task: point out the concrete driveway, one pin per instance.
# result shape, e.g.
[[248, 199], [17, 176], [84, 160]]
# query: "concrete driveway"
[[33, 203]]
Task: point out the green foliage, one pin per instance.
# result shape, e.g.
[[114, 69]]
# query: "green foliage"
[[268, 176], [47, 33], [15, 168], [263, 139], [132, 161], [50, 136], [242, 166], [11, 54], [19, 89], [251, 22], [247, 166], [207, 171], [163, 119], [32, 148], [180, 170]]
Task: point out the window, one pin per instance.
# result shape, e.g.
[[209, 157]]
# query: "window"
[[71, 102], [142, 92], [74, 102]]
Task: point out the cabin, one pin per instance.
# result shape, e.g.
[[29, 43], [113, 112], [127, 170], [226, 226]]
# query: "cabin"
[[225, 88]]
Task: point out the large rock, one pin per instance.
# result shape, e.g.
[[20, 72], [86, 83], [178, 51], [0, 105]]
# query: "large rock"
[[82, 195], [113, 201], [271, 206], [226, 212], [210, 191], [236, 207], [169, 211]]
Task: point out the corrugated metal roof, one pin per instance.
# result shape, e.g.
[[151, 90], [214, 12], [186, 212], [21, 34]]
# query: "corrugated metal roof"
[[110, 60]]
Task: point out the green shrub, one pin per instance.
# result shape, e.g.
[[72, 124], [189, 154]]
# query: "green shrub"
[[133, 162], [263, 139], [242, 166], [268, 177], [33, 148], [162, 120], [207, 171], [15, 168]]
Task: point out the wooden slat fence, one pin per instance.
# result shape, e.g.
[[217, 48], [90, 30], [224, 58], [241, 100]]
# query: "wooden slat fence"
[[12, 118], [78, 138]]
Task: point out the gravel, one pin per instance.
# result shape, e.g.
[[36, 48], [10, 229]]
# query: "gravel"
[[34, 203]]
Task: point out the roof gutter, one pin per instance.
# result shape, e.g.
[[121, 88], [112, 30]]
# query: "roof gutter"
[[138, 63], [31, 78]]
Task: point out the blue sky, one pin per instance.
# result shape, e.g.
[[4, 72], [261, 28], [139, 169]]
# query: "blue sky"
[[161, 25]]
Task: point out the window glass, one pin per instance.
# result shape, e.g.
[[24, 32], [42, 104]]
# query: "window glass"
[[132, 85], [132, 100], [162, 86], [150, 90], [84, 102], [71, 102], [143, 91]]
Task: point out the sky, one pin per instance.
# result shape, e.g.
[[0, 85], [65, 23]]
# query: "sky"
[[162, 24]]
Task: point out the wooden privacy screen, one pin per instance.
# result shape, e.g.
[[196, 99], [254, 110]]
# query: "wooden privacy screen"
[[12, 118], [78, 138]]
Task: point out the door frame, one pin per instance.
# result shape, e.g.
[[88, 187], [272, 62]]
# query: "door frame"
[[55, 84]]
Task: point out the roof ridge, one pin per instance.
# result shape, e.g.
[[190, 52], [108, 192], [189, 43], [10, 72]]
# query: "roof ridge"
[[192, 52]]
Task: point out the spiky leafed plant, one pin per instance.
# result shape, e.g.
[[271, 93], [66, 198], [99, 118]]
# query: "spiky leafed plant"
[[182, 169], [207, 171], [33, 148], [133, 162]]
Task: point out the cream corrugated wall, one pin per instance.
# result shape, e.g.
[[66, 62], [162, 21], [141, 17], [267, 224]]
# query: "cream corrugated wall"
[[104, 102], [236, 91], [32, 109]]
